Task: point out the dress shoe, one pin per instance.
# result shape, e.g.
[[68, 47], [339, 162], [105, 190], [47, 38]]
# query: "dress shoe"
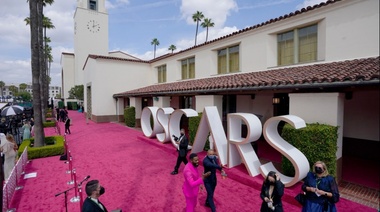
[[174, 173]]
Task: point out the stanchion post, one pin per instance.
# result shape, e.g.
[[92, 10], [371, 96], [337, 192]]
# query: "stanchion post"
[[71, 171], [80, 197], [76, 197]]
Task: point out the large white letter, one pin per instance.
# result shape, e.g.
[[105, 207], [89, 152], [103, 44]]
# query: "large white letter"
[[241, 148], [174, 122], [211, 122], [145, 122], [296, 157], [163, 119]]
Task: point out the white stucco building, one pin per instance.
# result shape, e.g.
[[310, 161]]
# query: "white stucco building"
[[320, 63]]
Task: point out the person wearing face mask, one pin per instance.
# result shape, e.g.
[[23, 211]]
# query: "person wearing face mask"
[[321, 190], [92, 204], [182, 142], [210, 164], [192, 182], [271, 193]]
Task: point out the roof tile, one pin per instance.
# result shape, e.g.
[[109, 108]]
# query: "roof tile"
[[358, 70]]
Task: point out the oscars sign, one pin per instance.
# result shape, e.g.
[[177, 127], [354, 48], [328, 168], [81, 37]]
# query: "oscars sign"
[[233, 149]]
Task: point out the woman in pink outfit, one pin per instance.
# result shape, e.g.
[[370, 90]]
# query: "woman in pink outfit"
[[192, 182]]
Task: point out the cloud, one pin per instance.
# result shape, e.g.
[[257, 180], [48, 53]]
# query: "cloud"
[[116, 4], [307, 3], [218, 12]]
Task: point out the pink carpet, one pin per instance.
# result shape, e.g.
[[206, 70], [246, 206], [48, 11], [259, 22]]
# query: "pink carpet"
[[135, 172]]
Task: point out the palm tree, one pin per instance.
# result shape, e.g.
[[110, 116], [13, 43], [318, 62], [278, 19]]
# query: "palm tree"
[[172, 48], [45, 59], [206, 24], [198, 16], [155, 42], [22, 86], [2, 84]]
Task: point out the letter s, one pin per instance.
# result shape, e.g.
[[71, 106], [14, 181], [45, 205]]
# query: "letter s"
[[296, 157]]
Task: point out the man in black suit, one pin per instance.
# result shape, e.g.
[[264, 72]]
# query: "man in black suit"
[[182, 142], [210, 164], [92, 203]]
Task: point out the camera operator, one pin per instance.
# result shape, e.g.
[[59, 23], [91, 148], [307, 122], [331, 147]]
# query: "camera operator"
[[182, 142], [271, 193]]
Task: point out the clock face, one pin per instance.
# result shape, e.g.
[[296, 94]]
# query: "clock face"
[[93, 26]]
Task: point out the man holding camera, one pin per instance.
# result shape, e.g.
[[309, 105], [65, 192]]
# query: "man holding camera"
[[182, 142]]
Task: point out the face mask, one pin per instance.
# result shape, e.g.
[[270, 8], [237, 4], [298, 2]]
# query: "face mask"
[[211, 157], [182, 133], [102, 190], [318, 170], [272, 183]]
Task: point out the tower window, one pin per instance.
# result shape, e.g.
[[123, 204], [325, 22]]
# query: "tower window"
[[93, 5]]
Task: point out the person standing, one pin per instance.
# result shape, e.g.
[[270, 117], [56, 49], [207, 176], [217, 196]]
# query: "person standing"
[[92, 204], [67, 125], [271, 193], [8, 148], [192, 182], [210, 164], [182, 142], [26, 128], [321, 190]]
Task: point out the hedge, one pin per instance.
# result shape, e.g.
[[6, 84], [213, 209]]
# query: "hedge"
[[54, 146], [193, 127], [318, 142], [130, 116], [49, 123]]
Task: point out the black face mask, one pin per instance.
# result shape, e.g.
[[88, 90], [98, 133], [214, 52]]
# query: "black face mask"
[[102, 190], [318, 170]]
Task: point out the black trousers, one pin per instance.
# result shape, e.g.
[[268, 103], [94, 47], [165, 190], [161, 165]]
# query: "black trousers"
[[67, 129], [179, 160], [210, 188]]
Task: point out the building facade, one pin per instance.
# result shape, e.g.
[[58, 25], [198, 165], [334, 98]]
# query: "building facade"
[[320, 63]]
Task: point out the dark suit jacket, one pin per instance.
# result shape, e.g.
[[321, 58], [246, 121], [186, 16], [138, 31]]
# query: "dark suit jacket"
[[91, 206], [211, 165], [183, 143]]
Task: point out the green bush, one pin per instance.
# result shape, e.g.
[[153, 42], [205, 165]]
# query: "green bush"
[[318, 142], [48, 115], [130, 116], [193, 127], [49, 123], [54, 146]]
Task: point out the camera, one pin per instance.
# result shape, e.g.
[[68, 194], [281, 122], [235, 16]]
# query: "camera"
[[175, 137]]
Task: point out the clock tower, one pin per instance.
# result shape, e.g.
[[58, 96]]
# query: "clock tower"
[[90, 33]]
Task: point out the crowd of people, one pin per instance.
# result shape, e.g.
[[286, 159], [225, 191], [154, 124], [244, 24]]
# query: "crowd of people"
[[20, 126], [321, 189]]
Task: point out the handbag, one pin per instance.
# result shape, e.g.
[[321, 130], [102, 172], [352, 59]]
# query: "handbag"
[[301, 198]]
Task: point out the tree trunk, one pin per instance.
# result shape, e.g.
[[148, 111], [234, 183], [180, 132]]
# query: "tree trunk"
[[42, 59], [39, 134]]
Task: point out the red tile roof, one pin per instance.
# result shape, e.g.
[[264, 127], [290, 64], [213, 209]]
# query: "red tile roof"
[[336, 74]]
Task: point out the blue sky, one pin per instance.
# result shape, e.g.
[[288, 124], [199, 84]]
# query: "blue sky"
[[132, 26]]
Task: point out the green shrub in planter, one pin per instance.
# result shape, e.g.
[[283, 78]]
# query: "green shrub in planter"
[[48, 115], [318, 142], [54, 146], [49, 123], [193, 127], [130, 116]]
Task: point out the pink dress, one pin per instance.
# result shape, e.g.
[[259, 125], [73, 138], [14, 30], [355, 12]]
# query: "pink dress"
[[191, 185]]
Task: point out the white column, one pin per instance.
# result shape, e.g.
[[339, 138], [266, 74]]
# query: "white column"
[[136, 102], [161, 101], [324, 108], [209, 100]]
